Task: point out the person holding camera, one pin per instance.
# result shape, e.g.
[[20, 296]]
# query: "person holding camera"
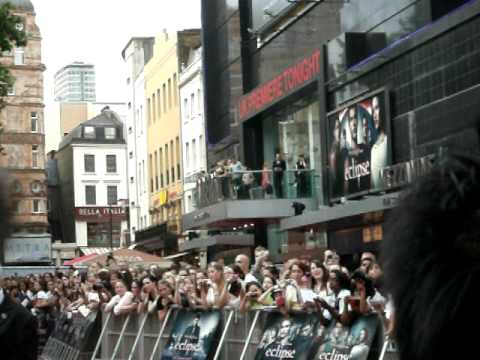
[[149, 295], [335, 305], [250, 298], [214, 291]]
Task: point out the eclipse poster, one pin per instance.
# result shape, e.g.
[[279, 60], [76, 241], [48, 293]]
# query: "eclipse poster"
[[359, 143]]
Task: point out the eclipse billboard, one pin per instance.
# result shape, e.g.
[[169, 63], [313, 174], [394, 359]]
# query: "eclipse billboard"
[[359, 146]]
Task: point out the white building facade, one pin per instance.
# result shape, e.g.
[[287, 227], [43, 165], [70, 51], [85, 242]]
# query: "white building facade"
[[99, 195], [193, 126], [92, 168], [75, 82], [136, 54]]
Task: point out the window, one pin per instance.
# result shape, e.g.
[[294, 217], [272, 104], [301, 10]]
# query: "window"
[[89, 132], [149, 113], [166, 164], [201, 150], [112, 195], [150, 164], [164, 95], [130, 154], [187, 156], [99, 234], [111, 163], [177, 154], [19, 26], [192, 104], [194, 154], [36, 207], [90, 195], [175, 99], [143, 177], [34, 121], [16, 207], [35, 156], [169, 93], [154, 111], [19, 56], [199, 101], [185, 109], [172, 163], [155, 157], [131, 180], [89, 163], [159, 108], [110, 133], [161, 167], [11, 91]]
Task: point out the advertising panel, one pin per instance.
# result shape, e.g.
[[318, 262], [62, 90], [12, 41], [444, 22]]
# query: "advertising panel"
[[359, 143], [265, 12], [27, 249], [193, 336], [302, 336]]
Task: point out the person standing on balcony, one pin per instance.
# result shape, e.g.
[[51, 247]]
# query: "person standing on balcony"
[[279, 166], [301, 176]]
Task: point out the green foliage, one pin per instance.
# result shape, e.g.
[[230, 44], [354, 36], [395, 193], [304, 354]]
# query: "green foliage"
[[10, 36]]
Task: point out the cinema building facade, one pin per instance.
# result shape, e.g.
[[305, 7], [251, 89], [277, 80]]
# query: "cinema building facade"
[[362, 95]]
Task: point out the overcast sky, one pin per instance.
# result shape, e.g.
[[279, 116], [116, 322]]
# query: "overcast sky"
[[96, 31]]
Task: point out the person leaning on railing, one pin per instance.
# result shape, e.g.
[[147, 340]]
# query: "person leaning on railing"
[[122, 301], [250, 297], [165, 298], [214, 291]]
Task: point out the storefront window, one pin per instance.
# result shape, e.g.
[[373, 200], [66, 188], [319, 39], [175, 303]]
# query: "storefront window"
[[98, 234]]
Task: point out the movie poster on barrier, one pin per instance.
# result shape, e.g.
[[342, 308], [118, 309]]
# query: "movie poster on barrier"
[[358, 342], [359, 143], [193, 336], [77, 331], [287, 337]]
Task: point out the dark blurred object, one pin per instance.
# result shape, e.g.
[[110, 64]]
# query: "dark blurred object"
[[298, 208]]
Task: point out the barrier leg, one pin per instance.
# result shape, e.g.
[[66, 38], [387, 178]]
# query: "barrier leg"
[[160, 333], [120, 337], [250, 334], [99, 342], [137, 339], [384, 348], [224, 334]]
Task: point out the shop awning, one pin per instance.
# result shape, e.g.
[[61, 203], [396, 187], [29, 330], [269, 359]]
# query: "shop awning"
[[176, 256], [131, 257], [96, 250], [224, 239], [79, 259]]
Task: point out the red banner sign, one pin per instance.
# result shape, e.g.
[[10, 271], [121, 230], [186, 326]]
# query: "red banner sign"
[[101, 213], [288, 81]]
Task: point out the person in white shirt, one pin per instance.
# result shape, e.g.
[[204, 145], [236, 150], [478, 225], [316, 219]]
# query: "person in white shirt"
[[335, 305], [122, 301]]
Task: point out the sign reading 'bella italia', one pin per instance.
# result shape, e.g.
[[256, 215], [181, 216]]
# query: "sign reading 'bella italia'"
[[285, 83], [101, 213]]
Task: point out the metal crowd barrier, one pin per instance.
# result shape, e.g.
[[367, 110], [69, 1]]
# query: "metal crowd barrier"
[[135, 337]]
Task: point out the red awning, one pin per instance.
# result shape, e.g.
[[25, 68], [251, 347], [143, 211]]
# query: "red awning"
[[79, 259]]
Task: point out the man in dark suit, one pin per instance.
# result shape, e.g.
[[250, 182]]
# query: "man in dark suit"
[[18, 327]]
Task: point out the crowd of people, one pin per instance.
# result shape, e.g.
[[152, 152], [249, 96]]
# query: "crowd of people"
[[323, 287], [238, 181]]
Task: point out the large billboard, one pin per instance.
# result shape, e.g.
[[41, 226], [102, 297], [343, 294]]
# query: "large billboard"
[[359, 146], [31, 249]]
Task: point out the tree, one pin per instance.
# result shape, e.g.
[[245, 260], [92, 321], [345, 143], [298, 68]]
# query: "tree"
[[11, 34]]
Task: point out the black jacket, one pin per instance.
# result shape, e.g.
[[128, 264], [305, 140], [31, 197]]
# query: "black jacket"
[[18, 332]]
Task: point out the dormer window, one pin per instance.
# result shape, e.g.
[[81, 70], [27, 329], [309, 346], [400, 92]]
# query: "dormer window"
[[110, 133], [89, 132]]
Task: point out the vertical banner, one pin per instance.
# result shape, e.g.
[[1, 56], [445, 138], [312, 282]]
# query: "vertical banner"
[[359, 143], [287, 337], [193, 335]]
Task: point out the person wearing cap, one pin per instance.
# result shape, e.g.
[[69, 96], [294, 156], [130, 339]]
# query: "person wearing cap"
[[18, 327]]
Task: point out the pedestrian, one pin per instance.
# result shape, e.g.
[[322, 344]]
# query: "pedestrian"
[[279, 167], [18, 327]]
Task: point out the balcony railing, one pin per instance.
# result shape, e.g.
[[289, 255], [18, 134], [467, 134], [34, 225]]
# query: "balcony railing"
[[254, 185]]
